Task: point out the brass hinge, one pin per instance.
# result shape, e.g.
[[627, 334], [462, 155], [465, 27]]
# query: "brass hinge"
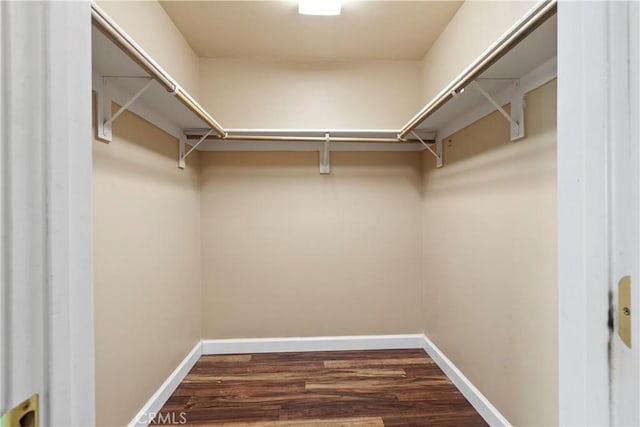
[[26, 414], [624, 310]]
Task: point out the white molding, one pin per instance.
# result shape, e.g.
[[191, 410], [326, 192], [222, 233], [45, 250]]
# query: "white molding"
[[279, 345], [164, 392], [4, 363], [480, 403], [584, 137], [23, 59], [530, 81], [70, 330], [47, 341]]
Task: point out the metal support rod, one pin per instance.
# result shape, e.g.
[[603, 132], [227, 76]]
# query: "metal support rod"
[[495, 104], [128, 104], [204, 137], [425, 145]]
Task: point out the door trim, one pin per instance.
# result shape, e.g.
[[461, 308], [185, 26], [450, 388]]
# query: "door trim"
[[47, 270], [585, 137]]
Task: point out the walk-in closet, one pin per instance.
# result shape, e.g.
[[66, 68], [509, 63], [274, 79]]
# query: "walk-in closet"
[[319, 213]]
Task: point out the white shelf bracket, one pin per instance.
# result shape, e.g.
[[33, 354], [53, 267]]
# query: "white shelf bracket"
[[516, 118], [438, 151], [105, 119], [103, 113], [182, 145], [182, 156], [325, 156]]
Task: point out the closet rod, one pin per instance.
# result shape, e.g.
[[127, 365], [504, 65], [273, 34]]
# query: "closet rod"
[[306, 138], [138, 55], [508, 41]]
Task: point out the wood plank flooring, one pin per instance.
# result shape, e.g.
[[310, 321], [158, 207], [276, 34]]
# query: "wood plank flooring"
[[327, 389]]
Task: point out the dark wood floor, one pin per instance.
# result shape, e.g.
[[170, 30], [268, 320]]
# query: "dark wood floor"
[[342, 388]]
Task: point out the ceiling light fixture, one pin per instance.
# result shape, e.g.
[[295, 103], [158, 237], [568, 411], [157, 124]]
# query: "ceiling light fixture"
[[319, 7]]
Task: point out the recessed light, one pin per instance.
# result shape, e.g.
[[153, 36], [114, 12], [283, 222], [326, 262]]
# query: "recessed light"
[[319, 7]]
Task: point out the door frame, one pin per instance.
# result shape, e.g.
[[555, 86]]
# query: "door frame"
[[46, 292], [593, 119]]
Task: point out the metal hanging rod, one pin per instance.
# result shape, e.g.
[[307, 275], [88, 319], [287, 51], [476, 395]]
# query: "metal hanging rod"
[[123, 41], [304, 135], [309, 138], [508, 41], [373, 132], [293, 138]]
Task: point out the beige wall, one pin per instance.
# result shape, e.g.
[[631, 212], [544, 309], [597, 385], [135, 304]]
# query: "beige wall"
[[147, 265], [490, 260], [475, 26], [290, 252], [255, 93], [150, 26]]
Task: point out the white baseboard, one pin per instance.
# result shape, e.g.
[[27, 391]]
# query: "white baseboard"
[[279, 345], [164, 392], [480, 403]]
